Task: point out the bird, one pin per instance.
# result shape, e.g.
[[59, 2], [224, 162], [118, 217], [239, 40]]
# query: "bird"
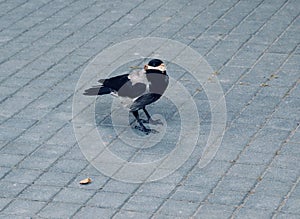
[[136, 90]]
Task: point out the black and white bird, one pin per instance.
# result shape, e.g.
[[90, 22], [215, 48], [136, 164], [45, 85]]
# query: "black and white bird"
[[137, 89]]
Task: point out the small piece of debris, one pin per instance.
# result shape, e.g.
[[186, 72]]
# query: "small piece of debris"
[[85, 181], [243, 83], [209, 79], [264, 85], [251, 192], [198, 90], [135, 67], [274, 76]]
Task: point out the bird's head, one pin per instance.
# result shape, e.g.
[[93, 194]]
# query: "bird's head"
[[156, 64]]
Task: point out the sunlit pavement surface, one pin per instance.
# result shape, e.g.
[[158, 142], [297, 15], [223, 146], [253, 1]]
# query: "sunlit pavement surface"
[[253, 49]]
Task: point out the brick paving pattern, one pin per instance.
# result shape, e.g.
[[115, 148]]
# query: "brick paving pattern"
[[253, 47]]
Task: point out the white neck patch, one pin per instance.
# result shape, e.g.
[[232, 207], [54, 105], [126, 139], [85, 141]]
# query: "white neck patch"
[[160, 68]]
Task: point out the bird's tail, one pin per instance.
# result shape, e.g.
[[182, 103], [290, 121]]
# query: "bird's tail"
[[97, 90]]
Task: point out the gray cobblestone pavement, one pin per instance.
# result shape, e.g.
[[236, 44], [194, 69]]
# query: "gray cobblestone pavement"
[[253, 47]]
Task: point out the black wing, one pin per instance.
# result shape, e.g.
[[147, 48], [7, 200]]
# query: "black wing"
[[115, 83], [120, 84], [107, 85], [124, 86]]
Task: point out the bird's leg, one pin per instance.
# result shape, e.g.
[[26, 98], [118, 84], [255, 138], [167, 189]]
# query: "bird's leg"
[[150, 120], [142, 127], [147, 114]]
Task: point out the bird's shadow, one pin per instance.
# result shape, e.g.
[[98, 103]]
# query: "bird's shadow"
[[139, 131]]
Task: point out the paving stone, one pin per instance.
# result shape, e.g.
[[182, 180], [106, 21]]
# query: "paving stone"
[[9, 133], [227, 198], [246, 170], [201, 181], [19, 148], [68, 166], [284, 80], [191, 196], [108, 199], [286, 110], [286, 162], [22, 176], [214, 169], [173, 178], [296, 192], [279, 123], [214, 211], [10, 190], [131, 214], [257, 146], [39, 193], [236, 184], [296, 137], [267, 142], [251, 45], [178, 208], [4, 171], [75, 154], [237, 138], [290, 149], [15, 216], [93, 212], [161, 216], [73, 195], [281, 174], [286, 215], [142, 204], [292, 205], [4, 202], [3, 143], [63, 136], [254, 158], [54, 178], [273, 188], [36, 163], [58, 210], [258, 201], [35, 133], [155, 189], [23, 208], [121, 187], [50, 151], [21, 123], [253, 213]]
